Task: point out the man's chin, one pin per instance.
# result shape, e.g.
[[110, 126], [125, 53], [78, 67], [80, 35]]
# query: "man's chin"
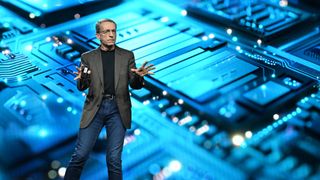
[[110, 44]]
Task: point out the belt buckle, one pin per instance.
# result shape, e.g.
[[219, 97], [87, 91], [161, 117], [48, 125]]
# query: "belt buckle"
[[109, 96]]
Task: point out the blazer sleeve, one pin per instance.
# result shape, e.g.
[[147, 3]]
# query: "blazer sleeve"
[[83, 83], [135, 81]]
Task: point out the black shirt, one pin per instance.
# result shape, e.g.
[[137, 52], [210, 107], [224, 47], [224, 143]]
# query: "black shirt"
[[108, 61]]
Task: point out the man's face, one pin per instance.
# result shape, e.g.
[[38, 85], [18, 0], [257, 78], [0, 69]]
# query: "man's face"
[[107, 34]]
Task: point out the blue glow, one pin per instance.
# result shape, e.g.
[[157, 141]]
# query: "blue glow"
[[6, 25], [164, 19], [28, 47], [23, 103], [69, 109], [266, 93], [222, 111], [244, 145], [44, 97], [74, 112], [160, 105], [60, 100], [280, 121], [265, 132], [298, 110], [37, 13], [234, 38], [43, 133], [19, 78], [275, 125]]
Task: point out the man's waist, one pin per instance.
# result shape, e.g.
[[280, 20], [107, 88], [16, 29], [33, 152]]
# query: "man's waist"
[[108, 96]]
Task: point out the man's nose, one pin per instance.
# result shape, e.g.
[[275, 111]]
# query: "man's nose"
[[111, 34]]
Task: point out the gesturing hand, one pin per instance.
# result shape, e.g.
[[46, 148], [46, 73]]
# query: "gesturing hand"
[[144, 70], [79, 73]]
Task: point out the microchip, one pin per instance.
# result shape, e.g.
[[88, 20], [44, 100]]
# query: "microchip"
[[266, 93], [313, 52], [47, 13]]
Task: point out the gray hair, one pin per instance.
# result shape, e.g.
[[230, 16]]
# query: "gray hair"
[[102, 21]]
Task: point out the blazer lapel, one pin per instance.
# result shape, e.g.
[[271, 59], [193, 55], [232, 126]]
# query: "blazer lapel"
[[117, 58], [98, 64]]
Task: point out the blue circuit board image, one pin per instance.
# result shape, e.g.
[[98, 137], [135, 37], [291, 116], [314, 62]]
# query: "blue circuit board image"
[[235, 93]]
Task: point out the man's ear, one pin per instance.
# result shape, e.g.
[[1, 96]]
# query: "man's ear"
[[98, 35]]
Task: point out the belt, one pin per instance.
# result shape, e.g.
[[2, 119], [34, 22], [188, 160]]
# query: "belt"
[[108, 96]]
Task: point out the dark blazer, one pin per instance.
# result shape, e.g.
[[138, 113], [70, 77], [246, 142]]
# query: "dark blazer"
[[124, 61]]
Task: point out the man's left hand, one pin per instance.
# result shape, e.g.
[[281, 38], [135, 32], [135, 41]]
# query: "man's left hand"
[[144, 70]]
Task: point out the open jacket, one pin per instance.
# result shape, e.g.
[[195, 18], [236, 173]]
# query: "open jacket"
[[124, 61]]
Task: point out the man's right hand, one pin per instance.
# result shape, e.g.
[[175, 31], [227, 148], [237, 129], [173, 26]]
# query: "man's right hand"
[[79, 69], [86, 72]]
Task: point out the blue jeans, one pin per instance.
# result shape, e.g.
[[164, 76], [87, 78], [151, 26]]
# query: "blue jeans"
[[107, 115]]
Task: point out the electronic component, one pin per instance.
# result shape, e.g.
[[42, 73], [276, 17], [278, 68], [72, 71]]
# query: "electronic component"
[[47, 13], [266, 93], [260, 18], [217, 99]]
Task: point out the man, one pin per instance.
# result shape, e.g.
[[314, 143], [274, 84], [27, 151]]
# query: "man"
[[106, 71]]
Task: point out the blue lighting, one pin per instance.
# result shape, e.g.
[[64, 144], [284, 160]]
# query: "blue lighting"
[[234, 38], [222, 111], [243, 145], [37, 13], [69, 109], [266, 93], [43, 133], [6, 25], [265, 131], [23, 103], [44, 97], [60, 100], [28, 47], [298, 110], [19, 78], [275, 125], [160, 105], [280, 121], [74, 112]]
